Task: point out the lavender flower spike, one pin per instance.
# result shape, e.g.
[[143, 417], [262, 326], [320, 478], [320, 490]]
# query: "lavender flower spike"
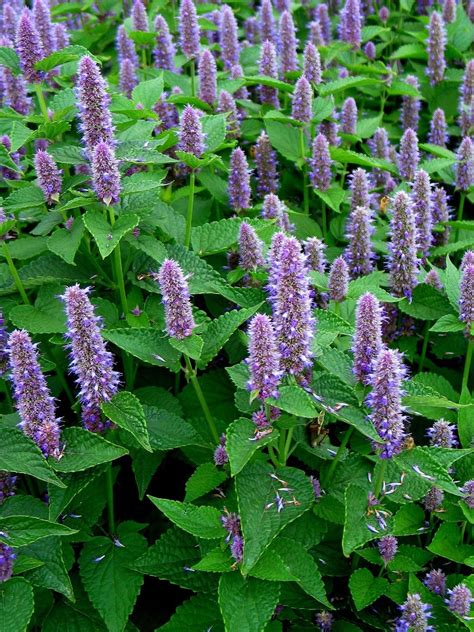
[[359, 186], [33, 400], [127, 77], [350, 25], [267, 23], [164, 50], [359, 253], [438, 134], [422, 207], [228, 39], [441, 213], [250, 248], [436, 44], [349, 116], [316, 36], [125, 47], [207, 77], [370, 51], [387, 547], [95, 117], [385, 402], [44, 26], [433, 499], [320, 163], [449, 11], [466, 298], [409, 156], [105, 174], [466, 101], [293, 318], [188, 29], [338, 281], [314, 250], [410, 114], [264, 359], [367, 342], [459, 600], [228, 106], [468, 490], [61, 35], [415, 615], [268, 67], [312, 64], [191, 138], [435, 581], [90, 361], [265, 162], [465, 165], [139, 17], [322, 16], [302, 101], [49, 176], [287, 44], [403, 261], [324, 620], [175, 292], [442, 434], [239, 181], [14, 92], [7, 558], [29, 47]]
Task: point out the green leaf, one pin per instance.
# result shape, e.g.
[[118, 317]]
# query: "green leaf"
[[205, 478], [199, 613], [296, 401], [9, 59], [147, 93], [410, 51], [241, 443], [248, 604], [168, 431], [18, 454], [466, 420], [125, 410], [16, 605], [63, 56], [261, 523], [141, 183], [337, 363], [111, 585], [107, 237], [367, 126], [352, 157], [202, 522], [52, 574], [65, 243], [84, 449], [338, 85], [461, 31], [220, 236], [214, 129], [448, 323], [220, 330], [425, 466], [356, 532], [7, 161], [451, 283], [45, 317], [23, 530], [264, 80], [365, 588], [323, 107], [447, 542], [150, 246], [27, 197], [284, 138], [426, 304], [333, 197], [148, 345], [408, 520], [190, 346]]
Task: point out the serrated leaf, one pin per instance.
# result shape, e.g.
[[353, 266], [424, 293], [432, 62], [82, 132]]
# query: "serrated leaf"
[[424, 465], [448, 323], [107, 237], [168, 431], [241, 444], [338, 363], [365, 588], [63, 56], [352, 157], [190, 346], [452, 278], [220, 236], [205, 478], [45, 317], [199, 613], [356, 521], [25, 198], [214, 129], [284, 138], [84, 449], [148, 345], [447, 542], [410, 51], [426, 304], [202, 522], [248, 604], [65, 243], [408, 520], [52, 573], [147, 93], [333, 197], [16, 605], [141, 182], [24, 530], [9, 59], [296, 401], [125, 410], [332, 87]]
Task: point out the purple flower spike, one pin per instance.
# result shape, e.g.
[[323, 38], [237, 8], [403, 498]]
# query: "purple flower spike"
[[384, 14], [227, 106], [287, 44], [350, 25], [7, 486], [125, 47], [127, 77], [436, 44], [359, 253], [369, 50], [380, 147], [252, 30], [90, 361], [49, 176], [415, 615], [61, 35], [271, 206], [449, 11], [264, 359], [268, 67], [435, 581], [433, 499], [188, 29], [322, 16], [7, 557], [468, 490], [349, 116], [324, 621], [403, 261], [250, 249], [267, 22], [228, 39], [441, 213], [467, 260], [29, 47], [459, 600], [410, 114], [312, 64], [367, 342], [265, 162], [385, 402], [409, 156], [432, 278], [220, 453], [302, 101], [293, 318], [438, 134], [207, 77], [422, 207], [44, 26], [316, 36], [273, 257], [9, 18], [330, 129], [105, 174], [314, 250], [236, 72], [164, 50], [191, 138], [14, 92], [338, 281], [282, 5], [33, 399], [387, 546], [96, 120], [465, 165], [359, 186], [320, 163], [239, 181], [139, 17], [175, 292], [466, 299], [466, 101]]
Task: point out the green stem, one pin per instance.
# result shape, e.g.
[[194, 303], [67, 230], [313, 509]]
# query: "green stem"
[[16, 277], [110, 500], [336, 459], [118, 269], [286, 452], [202, 400], [467, 364], [324, 221], [379, 481], [337, 308], [193, 78], [426, 338], [273, 456], [460, 213], [305, 173], [189, 216], [41, 101]]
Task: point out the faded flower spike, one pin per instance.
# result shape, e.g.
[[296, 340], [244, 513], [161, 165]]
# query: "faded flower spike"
[[268, 67], [441, 213], [409, 156], [465, 165], [188, 29], [338, 282], [175, 295], [207, 77], [438, 134], [415, 615], [250, 249], [312, 64], [29, 47], [7, 557], [164, 50], [410, 114], [316, 36], [264, 358], [239, 181], [442, 434], [432, 278], [314, 250], [422, 207], [324, 621], [220, 453], [459, 600], [449, 11], [90, 361], [191, 138], [385, 402], [139, 16], [367, 342], [433, 499], [468, 491], [466, 297], [228, 106], [359, 253], [32, 396], [387, 546], [302, 101], [322, 16], [265, 162], [320, 164], [105, 174], [287, 44], [436, 44], [7, 486], [230, 48], [349, 116], [350, 25], [435, 581], [127, 77], [49, 176], [403, 260]]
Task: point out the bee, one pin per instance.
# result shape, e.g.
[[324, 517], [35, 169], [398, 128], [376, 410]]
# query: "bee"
[[384, 202], [409, 443], [317, 432]]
